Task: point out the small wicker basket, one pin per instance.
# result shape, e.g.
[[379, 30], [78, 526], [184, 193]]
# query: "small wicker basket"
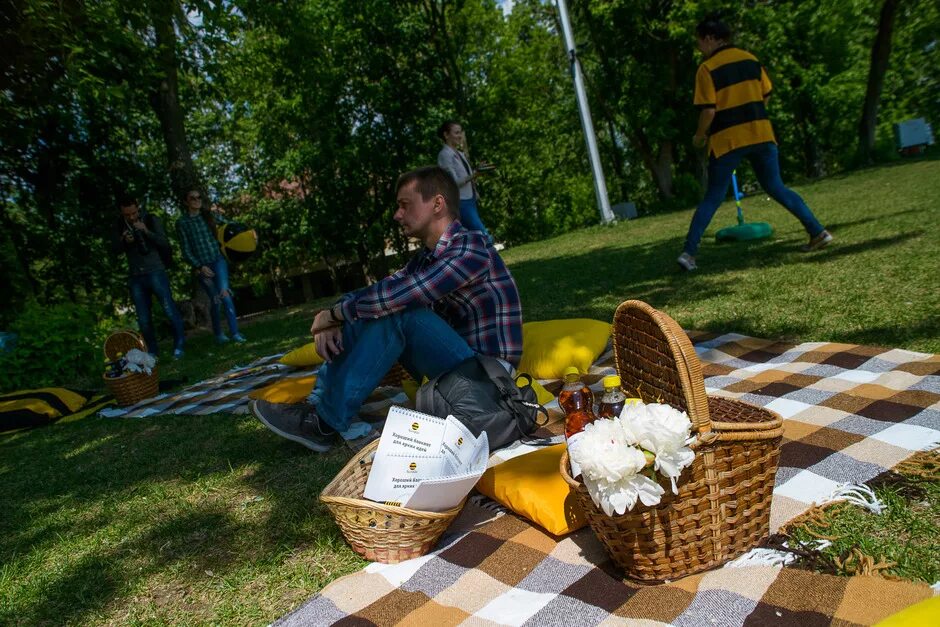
[[132, 387], [378, 532], [723, 506]]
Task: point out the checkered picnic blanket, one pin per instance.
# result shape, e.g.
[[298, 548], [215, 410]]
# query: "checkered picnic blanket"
[[229, 393], [850, 413]]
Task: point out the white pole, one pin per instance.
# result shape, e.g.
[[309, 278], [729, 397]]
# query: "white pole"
[[600, 185]]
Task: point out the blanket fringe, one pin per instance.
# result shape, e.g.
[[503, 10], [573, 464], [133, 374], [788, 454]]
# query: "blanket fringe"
[[922, 465], [776, 557], [857, 494]]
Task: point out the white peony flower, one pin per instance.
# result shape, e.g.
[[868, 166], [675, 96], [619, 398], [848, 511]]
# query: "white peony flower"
[[603, 452], [662, 430], [620, 496], [139, 361], [610, 465]]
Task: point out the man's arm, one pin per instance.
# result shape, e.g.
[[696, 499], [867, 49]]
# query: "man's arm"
[[118, 244], [461, 262], [156, 233], [705, 118]]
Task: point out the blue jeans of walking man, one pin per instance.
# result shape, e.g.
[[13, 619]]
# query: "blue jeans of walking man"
[[764, 160], [145, 286], [418, 338], [220, 295]]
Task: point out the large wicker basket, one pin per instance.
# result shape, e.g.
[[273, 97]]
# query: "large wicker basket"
[[723, 506], [132, 387], [378, 532]]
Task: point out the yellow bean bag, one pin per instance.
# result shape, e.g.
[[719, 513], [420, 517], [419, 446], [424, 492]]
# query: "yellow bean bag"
[[291, 390], [532, 486], [551, 346], [306, 355]]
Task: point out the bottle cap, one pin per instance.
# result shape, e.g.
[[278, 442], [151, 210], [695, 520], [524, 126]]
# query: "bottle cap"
[[612, 381], [570, 370]]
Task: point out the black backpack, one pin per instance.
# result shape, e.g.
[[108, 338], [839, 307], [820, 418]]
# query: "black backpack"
[[484, 397]]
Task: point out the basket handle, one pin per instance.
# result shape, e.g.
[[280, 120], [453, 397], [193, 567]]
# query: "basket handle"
[[652, 350]]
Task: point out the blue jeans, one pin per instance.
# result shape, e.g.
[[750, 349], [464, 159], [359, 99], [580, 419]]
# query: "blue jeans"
[[470, 216], [145, 286], [764, 160], [220, 294], [418, 338]]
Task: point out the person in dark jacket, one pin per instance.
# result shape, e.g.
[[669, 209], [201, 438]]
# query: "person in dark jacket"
[[140, 236]]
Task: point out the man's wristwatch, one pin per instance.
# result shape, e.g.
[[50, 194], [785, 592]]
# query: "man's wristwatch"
[[333, 315]]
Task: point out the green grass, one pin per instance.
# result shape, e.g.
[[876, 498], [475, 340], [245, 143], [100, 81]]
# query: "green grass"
[[905, 536], [211, 519]]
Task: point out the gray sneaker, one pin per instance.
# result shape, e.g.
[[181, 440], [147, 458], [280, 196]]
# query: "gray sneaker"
[[687, 262], [298, 422], [815, 243]]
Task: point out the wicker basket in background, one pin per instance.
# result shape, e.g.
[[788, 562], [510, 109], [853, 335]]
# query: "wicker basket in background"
[[131, 387], [723, 506], [378, 532]]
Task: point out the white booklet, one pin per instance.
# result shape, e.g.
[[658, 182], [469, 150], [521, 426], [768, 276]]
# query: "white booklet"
[[424, 462]]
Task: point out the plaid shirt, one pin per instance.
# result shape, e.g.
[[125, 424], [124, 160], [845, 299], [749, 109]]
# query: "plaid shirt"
[[199, 245], [465, 282]]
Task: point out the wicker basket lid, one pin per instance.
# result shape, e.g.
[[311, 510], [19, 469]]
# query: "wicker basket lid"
[[657, 363], [121, 342]]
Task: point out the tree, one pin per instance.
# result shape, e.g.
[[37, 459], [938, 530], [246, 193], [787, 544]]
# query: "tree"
[[880, 53]]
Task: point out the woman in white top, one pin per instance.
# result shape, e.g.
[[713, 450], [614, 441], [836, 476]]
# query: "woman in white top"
[[455, 163]]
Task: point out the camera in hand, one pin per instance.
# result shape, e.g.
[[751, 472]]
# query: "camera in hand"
[[139, 240]]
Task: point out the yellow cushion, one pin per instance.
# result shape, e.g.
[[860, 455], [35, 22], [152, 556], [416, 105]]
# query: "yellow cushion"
[[531, 486], [927, 612], [551, 346], [292, 390], [306, 355]]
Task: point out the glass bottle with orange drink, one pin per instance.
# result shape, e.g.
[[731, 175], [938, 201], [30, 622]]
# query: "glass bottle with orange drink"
[[577, 401], [613, 400]]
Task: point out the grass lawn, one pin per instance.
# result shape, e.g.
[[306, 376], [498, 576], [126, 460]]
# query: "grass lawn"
[[212, 519]]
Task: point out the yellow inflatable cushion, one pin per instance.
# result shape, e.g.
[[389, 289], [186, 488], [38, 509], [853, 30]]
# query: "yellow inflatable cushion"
[[531, 486], [292, 390], [306, 355], [551, 346], [927, 612]]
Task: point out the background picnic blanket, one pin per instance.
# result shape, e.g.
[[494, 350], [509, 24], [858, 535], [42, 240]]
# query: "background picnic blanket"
[[229, 393], [850, 413]]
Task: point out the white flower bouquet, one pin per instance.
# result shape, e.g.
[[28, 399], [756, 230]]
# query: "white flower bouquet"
[[619, 457], [139, 361]]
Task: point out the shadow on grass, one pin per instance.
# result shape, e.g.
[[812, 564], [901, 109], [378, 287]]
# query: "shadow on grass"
[[585, 285], [114, 503]]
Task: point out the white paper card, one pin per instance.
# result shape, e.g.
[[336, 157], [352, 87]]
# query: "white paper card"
[[424, 462]]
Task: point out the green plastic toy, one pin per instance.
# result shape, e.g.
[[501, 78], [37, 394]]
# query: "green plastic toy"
[[742, 231]]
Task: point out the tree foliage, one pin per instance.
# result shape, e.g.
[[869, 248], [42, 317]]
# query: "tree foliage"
[[297, 116]]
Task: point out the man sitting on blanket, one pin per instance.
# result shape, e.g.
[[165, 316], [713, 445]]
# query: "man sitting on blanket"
[[453, 299]]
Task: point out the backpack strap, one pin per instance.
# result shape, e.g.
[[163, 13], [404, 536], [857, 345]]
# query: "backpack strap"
[[507, 387]]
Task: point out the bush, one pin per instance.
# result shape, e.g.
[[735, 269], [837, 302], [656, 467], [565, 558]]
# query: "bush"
[[57, 345]]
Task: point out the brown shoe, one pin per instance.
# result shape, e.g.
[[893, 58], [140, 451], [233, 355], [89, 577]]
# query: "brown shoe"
[[820, 241]]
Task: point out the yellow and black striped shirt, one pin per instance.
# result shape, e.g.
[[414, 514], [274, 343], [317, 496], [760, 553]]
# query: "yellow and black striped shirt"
[[733, 82]]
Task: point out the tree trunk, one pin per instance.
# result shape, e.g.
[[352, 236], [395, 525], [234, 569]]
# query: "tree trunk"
[[880, 52], [334, 275], [659, 163], [164, 98], [807, 119]]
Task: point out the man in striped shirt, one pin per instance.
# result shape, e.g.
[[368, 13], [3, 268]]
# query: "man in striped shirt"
[[453, 299], [731, 92]]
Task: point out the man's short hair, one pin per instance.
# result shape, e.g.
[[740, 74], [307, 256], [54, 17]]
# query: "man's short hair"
[[126, 200], [430, 181], [714, 26]]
